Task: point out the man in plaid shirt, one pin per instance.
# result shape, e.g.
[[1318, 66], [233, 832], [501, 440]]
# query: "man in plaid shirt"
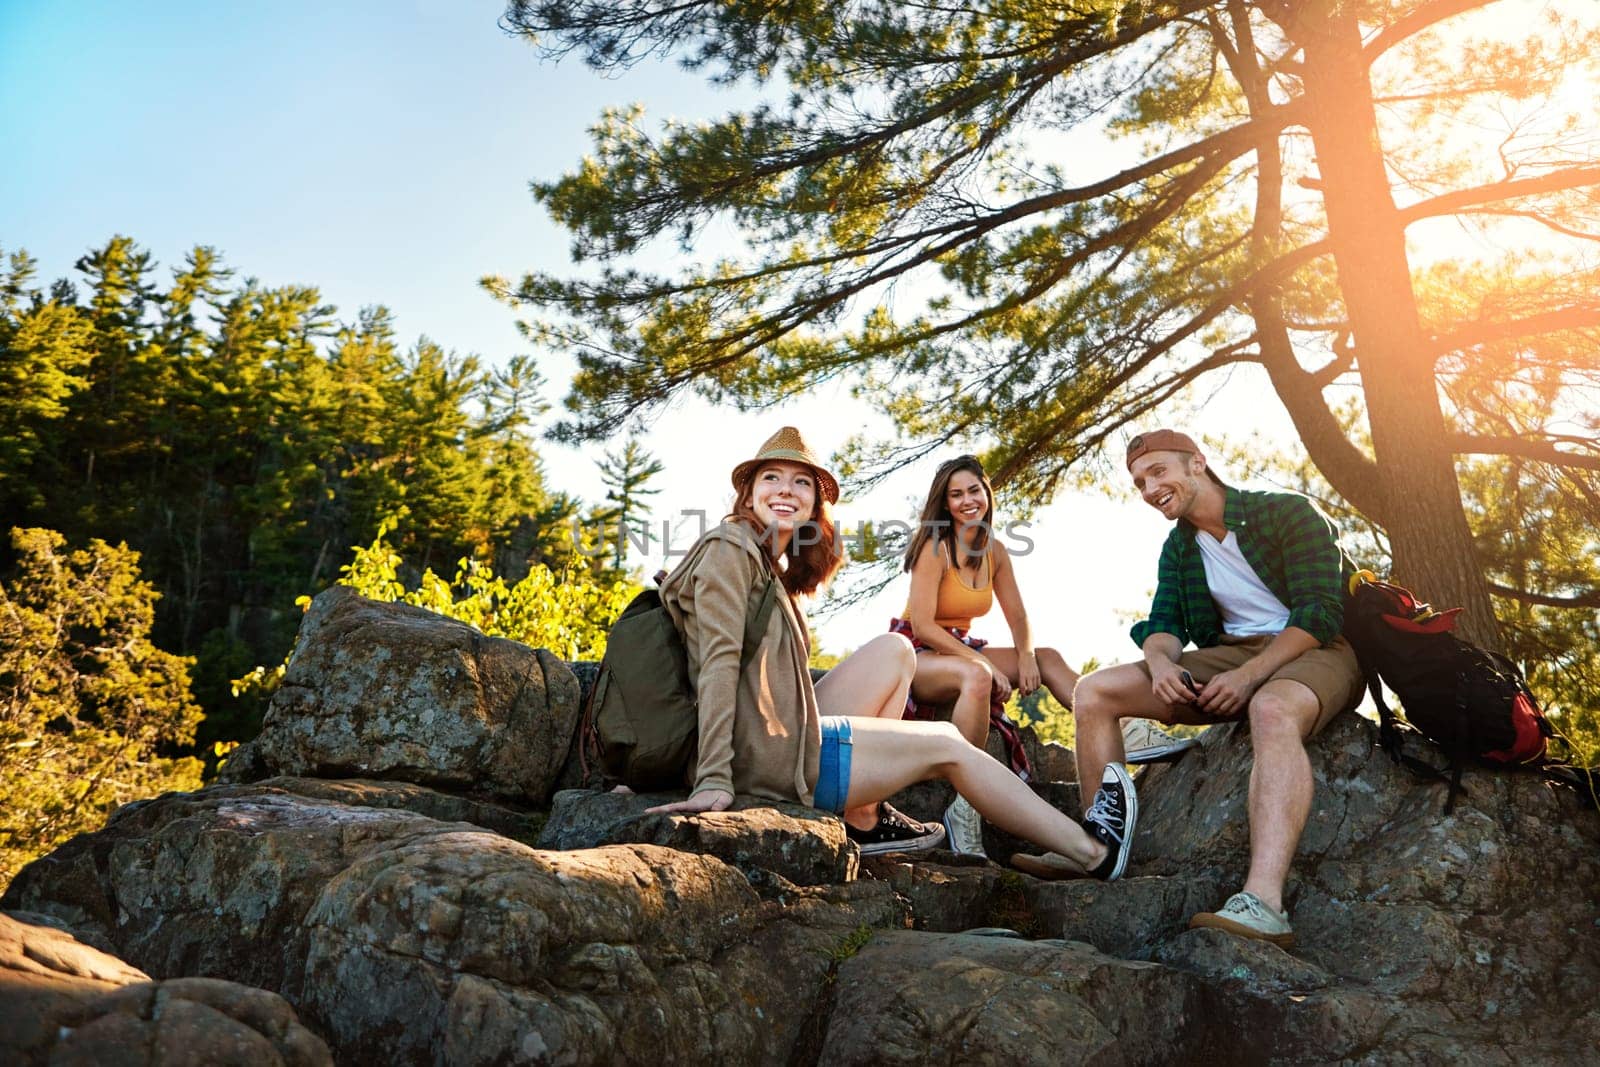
[[1255, 582]]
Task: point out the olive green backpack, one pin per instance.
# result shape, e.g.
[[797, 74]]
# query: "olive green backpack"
[[642, 717]]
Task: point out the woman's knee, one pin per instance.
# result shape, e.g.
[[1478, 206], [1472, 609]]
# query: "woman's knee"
[[977, 674], [945, 746], [895, 651]]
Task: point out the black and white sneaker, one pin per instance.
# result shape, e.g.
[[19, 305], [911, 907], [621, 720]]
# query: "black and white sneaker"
[[1111, 820], [895, 832]]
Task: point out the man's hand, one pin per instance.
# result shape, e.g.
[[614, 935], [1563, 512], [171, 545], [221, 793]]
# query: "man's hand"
[[1002, 686], [1227, 694], [1167, 683], [704, 800]]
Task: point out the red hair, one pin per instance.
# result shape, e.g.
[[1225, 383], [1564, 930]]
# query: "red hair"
[[814, 552]]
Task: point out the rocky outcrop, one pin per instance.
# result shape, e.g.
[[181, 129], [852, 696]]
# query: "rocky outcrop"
[[799, 844], [417, 919], [395, 692], [402, 938], [66, 1004]]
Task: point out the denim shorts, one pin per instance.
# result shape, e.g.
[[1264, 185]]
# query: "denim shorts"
[[833, 774]]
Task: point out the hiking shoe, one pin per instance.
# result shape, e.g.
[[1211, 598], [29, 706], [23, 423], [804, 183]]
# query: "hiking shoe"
[[1047, 866], [895, 832], [1111, 819], [963, 828], [1145, 741], [1244, 914]]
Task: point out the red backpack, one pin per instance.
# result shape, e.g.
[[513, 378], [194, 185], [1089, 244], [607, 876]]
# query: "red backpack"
[[1472, 703]]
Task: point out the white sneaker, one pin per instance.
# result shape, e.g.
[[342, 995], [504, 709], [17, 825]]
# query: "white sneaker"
[[1144, 741], [1246, 915], [963, 828]]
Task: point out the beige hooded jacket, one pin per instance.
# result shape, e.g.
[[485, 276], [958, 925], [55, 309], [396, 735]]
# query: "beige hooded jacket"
[[760, 732]]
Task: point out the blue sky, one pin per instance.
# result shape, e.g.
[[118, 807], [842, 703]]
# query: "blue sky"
[[382, 152]]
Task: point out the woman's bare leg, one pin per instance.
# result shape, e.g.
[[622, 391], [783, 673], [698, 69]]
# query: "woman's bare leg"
[[966, 681], [872, 682], [888, 756]]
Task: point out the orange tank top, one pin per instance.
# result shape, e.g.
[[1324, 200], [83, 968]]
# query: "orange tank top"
[[958, 603]]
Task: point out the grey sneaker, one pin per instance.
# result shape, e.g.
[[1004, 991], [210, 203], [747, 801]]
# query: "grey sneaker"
[[1145, 741], [963, 828], [1111, 819], [1245, 914]]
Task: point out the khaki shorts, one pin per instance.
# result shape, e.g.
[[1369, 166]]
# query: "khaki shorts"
[[1331, 672]]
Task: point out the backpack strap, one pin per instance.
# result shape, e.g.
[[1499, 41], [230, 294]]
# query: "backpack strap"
[[1391, 737]]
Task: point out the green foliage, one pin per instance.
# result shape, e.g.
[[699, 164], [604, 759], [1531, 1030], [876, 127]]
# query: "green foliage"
[[238, 435], [823, 661], [1050, 719], [626, 474], [850, 944], [570, 614], [88, 706]]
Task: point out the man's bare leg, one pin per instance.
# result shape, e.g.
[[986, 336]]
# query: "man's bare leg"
[[1282, 715]]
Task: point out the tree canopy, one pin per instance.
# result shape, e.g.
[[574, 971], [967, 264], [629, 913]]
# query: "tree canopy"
[[88, 706], [1040, 223], [242, 437]]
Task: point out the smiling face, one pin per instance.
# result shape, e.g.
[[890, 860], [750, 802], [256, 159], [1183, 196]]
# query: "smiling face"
[[1170, 482], [966, 499], [783, 495]]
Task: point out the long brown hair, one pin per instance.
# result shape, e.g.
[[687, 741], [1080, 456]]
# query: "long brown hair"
[[937, 524], [810, 565]]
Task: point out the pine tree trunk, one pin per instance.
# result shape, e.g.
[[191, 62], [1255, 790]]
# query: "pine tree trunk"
[[1419, 495]]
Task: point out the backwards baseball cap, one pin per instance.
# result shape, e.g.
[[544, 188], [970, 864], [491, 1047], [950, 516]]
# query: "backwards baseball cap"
[[1166, 441]]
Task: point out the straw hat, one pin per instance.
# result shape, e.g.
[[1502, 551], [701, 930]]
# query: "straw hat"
[[787, 444]]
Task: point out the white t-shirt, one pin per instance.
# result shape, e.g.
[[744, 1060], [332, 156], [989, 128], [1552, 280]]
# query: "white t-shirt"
[[1248, 607]]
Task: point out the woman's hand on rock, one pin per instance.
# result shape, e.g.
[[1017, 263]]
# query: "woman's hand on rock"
[[704, 800]]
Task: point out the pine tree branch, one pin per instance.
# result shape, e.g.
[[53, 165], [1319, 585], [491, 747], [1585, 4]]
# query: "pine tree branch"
[[1421, 19], [1590, 599], [1572, 318], [1542, 450], [1511, 189]]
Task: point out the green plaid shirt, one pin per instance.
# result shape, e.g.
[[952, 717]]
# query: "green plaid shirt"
[[1293, 549]]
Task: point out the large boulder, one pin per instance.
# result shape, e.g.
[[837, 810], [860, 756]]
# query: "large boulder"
[[800, 844], [383, 884], [991, 1000], [67, 1004], [389, 691], [1470, 938], [405, 939]]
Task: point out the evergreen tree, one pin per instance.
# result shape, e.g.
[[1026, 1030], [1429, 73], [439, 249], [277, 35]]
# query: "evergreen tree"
[[241, 440], [626, 473], [1270, 160], [44, 350], [87, 703]]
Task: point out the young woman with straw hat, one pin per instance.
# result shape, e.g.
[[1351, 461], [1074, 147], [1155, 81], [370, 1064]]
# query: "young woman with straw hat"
[[839, 745]]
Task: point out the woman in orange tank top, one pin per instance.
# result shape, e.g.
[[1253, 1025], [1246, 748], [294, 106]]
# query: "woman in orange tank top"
[[958, 570]]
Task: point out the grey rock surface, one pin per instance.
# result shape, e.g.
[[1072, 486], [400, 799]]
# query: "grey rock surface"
[[66, 1003], [801, 844], [995, 1000], [405, 939], [389, 691]]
